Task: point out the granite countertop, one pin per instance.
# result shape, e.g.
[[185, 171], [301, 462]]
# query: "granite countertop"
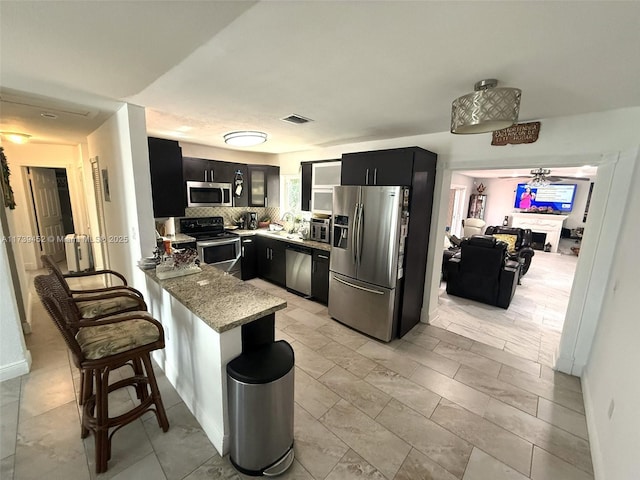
[[222, 301], [179, 238], [289, 238]]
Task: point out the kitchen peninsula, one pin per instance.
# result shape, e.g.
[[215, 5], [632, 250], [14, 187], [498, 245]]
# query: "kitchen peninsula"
[[207, 318]]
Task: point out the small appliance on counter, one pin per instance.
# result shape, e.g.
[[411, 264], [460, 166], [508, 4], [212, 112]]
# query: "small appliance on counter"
[[321, 230], [251, 222]]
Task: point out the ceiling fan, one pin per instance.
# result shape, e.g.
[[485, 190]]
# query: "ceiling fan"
[[541, 177]]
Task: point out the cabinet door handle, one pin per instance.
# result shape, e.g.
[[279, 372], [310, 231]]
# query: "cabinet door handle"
[[267, 253], [375, 176], [205, 175], [211, 175], [247, 241], [366, 180], [323, 256], [242, 252]]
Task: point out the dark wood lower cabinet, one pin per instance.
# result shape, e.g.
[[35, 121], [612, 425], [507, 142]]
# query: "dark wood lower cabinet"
[[271, 260], [320, 276], [248, 261]]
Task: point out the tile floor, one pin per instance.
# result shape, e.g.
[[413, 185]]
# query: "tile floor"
[[433, 405]]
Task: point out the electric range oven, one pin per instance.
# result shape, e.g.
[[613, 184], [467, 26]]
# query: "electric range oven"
[[215, 246]]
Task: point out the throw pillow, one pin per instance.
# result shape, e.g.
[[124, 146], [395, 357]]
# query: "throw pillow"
[[510, 240]]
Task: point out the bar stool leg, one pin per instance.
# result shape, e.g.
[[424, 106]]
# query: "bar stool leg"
[[163, 422], [101, 431], [141, 388]]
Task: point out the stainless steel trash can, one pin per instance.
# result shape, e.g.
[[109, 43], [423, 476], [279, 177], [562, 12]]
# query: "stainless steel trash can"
[[260, 397]]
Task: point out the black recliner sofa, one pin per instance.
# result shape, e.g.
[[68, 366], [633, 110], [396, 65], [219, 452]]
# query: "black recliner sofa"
[[524, 252], [483, 272]]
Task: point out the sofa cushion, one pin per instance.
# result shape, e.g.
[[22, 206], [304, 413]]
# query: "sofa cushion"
[[510, 240]]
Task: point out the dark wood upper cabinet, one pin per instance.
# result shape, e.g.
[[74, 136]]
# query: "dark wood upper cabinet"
[[307, 178], [203, 170], [167, 183], [264, 186], [382, 167]]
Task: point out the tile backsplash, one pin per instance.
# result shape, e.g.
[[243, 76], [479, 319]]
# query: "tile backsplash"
[[230, 214]]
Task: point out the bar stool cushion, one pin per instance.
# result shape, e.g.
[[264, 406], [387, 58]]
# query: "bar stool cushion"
[[105, 340], [94, 308]]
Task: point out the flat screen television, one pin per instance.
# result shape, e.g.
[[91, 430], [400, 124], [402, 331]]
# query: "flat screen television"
[[558, 197]]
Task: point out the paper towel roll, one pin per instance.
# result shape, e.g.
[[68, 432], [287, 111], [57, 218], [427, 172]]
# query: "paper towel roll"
[[169, 227]]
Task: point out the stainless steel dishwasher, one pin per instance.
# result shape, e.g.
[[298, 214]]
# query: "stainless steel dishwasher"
[[299, 269]]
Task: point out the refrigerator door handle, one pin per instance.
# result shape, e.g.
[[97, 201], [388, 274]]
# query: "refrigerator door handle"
[[366, 180], [377, 292], [360, 235], [354, 243]]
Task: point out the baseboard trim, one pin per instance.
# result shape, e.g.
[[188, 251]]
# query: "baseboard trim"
[[594, 441], [564, 364], [16, 369]]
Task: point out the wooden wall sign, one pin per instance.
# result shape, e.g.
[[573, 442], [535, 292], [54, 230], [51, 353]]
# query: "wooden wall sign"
[[518, 133]]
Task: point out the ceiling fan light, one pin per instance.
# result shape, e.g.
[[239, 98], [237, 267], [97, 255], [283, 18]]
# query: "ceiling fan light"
[[245, 138], [16, 137], [485, 110]]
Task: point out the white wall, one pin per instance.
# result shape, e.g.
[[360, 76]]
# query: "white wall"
[[121, 146], [501, 196], [227, 155], [15, 359], [612, 370]]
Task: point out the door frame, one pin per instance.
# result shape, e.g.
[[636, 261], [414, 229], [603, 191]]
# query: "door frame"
[[76, 195], [611, 190]]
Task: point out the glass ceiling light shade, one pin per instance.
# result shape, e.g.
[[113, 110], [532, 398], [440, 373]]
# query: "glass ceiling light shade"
[[487, 109], [245, 138], [16, 137]]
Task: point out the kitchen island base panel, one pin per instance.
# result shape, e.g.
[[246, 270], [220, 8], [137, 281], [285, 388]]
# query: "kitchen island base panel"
[[204, 316], [194, 361]]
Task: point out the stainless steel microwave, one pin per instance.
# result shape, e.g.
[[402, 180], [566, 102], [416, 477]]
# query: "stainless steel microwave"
[[206, 194]]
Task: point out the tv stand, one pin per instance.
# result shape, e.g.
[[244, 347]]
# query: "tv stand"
[[543, 223]]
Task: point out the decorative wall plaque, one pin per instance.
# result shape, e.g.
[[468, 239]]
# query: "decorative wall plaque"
[[518, 133]]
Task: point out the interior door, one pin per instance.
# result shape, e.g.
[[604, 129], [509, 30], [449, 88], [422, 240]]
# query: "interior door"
[[379, 235], [46, 202]]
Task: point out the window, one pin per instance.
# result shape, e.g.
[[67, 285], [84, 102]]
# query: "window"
[[290, 196]]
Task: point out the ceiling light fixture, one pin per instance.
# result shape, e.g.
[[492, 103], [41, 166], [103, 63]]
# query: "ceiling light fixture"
[[245, 138], [485, 110], [16, 137]]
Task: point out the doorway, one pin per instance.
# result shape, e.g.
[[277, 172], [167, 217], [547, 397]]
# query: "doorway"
[[532, 326], [455, 212], [51, 212]]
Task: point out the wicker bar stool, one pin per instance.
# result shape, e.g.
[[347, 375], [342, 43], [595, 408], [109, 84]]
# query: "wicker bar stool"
[[93, 304], [99, 347], [102, 301]]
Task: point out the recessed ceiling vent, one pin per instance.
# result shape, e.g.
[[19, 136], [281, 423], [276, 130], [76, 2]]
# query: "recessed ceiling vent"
[[297, 119]]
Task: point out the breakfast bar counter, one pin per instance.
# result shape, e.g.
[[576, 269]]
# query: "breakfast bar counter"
[[208, 318], [220, 300]]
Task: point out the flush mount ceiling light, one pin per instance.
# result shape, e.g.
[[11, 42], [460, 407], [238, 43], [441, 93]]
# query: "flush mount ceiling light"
[[245, 139], [16, 137], [485, 110]]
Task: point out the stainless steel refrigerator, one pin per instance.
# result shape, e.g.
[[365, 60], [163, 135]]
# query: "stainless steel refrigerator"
[[366, 269]]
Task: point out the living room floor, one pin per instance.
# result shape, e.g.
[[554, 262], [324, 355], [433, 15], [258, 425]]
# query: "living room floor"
[[532, 325], [433, 404]]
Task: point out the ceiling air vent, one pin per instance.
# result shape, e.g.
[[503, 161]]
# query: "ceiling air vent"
[[297, 119]]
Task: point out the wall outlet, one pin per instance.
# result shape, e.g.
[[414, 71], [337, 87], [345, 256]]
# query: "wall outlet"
[[612, 407]]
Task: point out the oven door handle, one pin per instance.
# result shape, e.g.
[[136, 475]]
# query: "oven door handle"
[[213, 243]]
